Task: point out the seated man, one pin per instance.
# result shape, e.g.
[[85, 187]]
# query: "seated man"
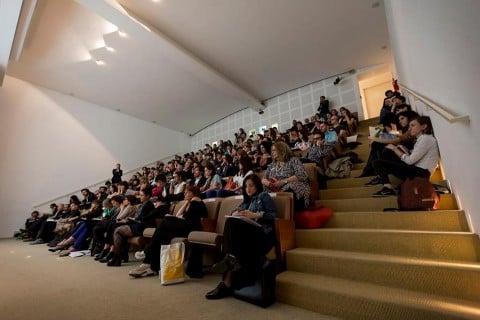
[[318, 152]]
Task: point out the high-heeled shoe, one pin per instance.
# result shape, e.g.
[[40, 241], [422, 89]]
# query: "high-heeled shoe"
[[62, 245], [116, 261], [102, 254], [107, 258]]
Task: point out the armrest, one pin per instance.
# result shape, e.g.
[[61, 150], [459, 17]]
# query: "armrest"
[[148, 232], [285, 231], [208, 225], [207, 238]]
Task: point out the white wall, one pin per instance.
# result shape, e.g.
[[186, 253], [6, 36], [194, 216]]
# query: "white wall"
[[296, 104], [52, 144], [436, 48]]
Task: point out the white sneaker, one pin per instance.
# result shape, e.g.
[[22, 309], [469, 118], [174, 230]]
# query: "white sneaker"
[[143, 270], [140, 255]]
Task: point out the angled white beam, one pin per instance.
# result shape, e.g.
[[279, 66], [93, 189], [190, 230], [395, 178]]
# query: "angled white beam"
[[9, 13], [28, 8], [112, 11]]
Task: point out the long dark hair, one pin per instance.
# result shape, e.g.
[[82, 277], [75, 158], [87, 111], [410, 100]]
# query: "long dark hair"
[[258, 185], [424, 120]]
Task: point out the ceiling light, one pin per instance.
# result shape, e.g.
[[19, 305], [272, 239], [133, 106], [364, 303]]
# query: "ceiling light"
[[122, 34], [109, 49], [99, 62]]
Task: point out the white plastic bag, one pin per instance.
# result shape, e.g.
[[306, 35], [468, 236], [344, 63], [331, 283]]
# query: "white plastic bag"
[[171, 263]]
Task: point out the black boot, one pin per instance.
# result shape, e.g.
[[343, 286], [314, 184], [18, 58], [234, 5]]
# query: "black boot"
[[107, 258], [102, 254], [116, 261]]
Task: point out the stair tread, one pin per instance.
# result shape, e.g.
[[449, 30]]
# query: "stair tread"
[[471, 266], [382, 294], [391, 231]]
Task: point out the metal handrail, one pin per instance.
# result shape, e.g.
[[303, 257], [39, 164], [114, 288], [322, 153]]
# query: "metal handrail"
[[98, 184], [437, 108]]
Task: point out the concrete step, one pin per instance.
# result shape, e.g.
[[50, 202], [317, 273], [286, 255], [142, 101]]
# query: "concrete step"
[[455, 280], [370, 204], [454, 246], [349, 193], [440, 220], [353, 181], [348, 299]]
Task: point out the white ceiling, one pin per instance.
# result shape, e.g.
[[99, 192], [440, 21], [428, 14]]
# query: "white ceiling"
[[188, 63]]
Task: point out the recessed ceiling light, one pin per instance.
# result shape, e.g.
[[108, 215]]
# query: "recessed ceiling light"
[[109, 49], [122, 34], [99, 62]]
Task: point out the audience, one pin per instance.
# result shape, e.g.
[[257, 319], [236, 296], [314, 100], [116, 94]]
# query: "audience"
[[227, 169]]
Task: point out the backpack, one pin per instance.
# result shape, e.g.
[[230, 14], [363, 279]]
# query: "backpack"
[[339, 168], [418, 194]]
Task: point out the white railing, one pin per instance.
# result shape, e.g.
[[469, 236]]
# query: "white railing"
[[65, 197], [442, 111]]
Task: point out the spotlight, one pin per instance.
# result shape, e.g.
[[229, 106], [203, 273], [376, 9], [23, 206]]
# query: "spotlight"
[[337, 81]]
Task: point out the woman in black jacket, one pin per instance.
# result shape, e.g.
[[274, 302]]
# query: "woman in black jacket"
[[186, 219]]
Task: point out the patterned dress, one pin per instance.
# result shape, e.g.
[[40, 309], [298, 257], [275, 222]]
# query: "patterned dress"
[[292, 167]]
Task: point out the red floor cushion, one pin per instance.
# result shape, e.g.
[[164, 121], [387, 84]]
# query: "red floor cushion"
[[313, 217]]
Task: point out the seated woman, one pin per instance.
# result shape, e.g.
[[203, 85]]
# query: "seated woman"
[[187, 219], [143, 219], [287, 173], [263, 158], [177, 187], [246, 240], [88, 197], [420, 162], [82, 231], [234, 184], [348, 121], [213, 182], [378, 143]]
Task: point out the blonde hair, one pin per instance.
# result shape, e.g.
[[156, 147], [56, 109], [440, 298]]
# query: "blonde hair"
[[284, 153]]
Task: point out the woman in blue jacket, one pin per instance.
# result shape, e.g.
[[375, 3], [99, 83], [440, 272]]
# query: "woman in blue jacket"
[[248, 236]]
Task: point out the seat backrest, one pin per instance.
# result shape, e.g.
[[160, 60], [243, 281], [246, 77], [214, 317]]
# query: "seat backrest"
[[284, 194], [226, 208], [213, 206], [176, 207], [284, 204]]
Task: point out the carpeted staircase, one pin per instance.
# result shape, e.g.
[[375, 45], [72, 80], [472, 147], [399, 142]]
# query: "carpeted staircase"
[[370, 264]]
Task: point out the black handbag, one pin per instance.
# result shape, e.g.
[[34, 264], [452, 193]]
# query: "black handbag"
[[262, 292]]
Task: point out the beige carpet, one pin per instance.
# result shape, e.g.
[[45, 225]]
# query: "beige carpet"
[[36, 285]]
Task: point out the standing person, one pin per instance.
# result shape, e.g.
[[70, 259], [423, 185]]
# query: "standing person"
[[420, 162], [245, 244], [117, 174], [323, 107]]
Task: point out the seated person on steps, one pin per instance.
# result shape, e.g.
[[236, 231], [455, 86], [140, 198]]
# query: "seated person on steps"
[[420, 162]]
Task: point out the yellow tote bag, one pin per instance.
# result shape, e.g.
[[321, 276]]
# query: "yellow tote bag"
[[171, 263]]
